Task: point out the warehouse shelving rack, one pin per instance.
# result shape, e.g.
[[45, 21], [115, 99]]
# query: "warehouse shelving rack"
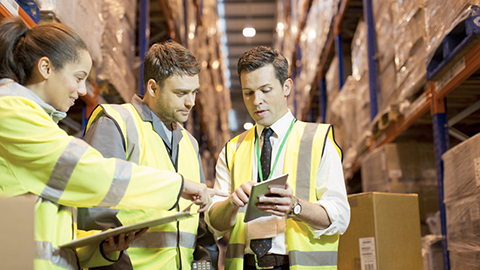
[[450, 88], [9, 8], [338, 43]]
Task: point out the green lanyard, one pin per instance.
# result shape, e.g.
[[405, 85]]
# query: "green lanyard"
[[259, 166]]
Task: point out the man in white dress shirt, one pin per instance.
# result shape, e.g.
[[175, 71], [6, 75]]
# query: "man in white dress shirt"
[[311, 211]]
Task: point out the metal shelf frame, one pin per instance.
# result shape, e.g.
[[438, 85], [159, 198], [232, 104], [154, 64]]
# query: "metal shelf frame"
[[5, 13], [433, 99]]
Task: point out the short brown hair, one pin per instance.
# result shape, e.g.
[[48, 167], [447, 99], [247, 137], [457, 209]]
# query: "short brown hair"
[[262, 56], [164, 60]]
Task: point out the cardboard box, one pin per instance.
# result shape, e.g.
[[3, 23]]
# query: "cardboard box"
[[384, 233], [462, 170], [464, 259], [17, 247], [406, 167], [463, 223]]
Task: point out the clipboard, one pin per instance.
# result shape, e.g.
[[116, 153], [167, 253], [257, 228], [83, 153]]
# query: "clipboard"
[[258, 189], [97, 238]]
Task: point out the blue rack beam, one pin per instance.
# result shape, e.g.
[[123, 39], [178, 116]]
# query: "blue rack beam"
[[372, 65], [441, 144], [143, 37], [472, 64], [323, 99], [454, 46], [339, 52]]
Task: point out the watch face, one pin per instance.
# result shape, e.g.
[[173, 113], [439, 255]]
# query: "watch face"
[[297, 209]]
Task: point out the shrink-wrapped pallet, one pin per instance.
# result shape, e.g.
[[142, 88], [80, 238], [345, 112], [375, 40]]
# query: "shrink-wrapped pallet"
[[440, 18], [410, 47], [75, 14]]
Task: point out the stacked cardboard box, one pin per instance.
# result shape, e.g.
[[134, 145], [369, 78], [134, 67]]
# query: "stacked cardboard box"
[[74, 14], [117, 72], [341, 112], [332, 80], [312, 41], [410, 47], [462, 203], [111, 44], [384, 233], [383, 19], [404, 168], [360, 74], [293, 14], [17, 249]]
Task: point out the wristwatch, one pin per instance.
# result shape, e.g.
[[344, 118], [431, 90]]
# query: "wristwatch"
[[296, 207]]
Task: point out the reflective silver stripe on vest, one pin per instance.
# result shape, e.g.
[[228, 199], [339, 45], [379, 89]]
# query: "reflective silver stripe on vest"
[[304, 162], [133, 154], [165, 240], [312, 258], [64, 258], [193, 141], [235, 251], [121, 179], [63, 169]]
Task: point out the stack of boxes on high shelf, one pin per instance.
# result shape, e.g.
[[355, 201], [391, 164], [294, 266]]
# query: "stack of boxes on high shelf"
[[108, 29], [303, 43], [407, 35]]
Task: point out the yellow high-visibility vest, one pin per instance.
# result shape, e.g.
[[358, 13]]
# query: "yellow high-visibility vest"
[[38, 157], [161, 246], [302, 158]]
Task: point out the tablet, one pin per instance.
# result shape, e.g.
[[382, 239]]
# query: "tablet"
[[258, 189], [97, 238]]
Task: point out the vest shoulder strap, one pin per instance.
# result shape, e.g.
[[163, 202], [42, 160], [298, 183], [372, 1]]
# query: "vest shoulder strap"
[[233, 144]]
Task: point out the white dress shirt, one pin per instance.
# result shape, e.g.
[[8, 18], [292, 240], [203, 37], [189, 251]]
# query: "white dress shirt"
[[330, 188]]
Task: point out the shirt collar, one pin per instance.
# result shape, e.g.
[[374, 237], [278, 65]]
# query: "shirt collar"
[[147, 114], [280, 127]]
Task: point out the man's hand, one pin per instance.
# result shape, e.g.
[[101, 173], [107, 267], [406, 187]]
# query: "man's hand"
[[278, 202], [242, 193], [120, 242], [223, 214], [199, 194]]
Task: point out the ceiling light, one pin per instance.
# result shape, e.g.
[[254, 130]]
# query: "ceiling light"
[[280, 26], [249, 32]]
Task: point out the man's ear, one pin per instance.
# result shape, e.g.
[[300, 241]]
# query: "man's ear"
[[44, 66], [152, 87], [287, 87]]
